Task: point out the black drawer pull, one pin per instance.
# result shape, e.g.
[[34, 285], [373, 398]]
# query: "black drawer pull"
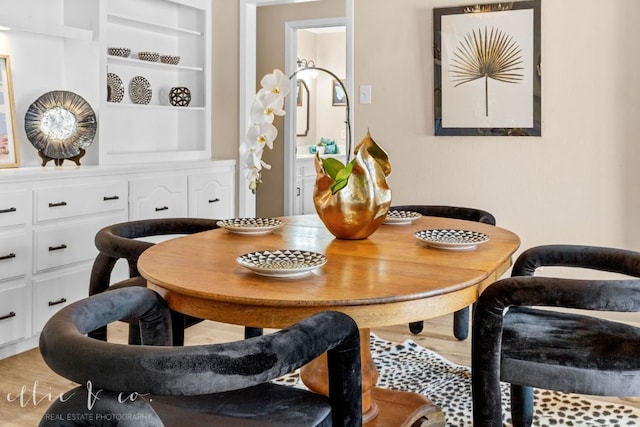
[[55, 205], [57, 248], [11, 255], [60, 301], [107, 198], [164, 208], [214, 200], [12, 209], [8, 316]]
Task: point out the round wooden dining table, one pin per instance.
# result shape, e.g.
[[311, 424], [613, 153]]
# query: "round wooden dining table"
[[390, 278]]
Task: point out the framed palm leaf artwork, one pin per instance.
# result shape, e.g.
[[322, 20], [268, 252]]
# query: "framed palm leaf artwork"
[[487, 74]]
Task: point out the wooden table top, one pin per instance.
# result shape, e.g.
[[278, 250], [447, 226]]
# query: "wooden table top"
[[389, 278]]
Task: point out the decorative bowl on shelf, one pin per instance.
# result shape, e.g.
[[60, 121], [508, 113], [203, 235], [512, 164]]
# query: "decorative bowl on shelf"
[[180, 96], [149, 56], [170, 59], [140, 90], [122, 52]]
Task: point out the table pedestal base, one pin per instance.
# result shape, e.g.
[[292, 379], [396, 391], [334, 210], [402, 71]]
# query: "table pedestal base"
[[404, 409], [380, 407]]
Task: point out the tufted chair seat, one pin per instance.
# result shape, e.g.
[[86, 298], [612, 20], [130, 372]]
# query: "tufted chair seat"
[[156, 384], [516, 340]]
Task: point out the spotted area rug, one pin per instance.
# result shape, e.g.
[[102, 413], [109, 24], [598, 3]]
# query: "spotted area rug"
[[408, 366]]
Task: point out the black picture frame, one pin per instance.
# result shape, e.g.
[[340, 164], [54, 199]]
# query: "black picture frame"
[[487, 70]]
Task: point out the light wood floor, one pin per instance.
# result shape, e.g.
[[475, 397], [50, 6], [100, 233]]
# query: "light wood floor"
[[27, 371]]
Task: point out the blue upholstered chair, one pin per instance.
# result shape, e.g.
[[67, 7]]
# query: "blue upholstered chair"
[[517, 342], [156, 384], [460, 317], [125, 241]]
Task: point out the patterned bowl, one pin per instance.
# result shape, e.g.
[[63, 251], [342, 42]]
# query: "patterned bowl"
[[170, 59], [123, 52], [149, 56]]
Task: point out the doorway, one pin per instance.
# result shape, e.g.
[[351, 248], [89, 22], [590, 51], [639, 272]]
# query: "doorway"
[[248, 19], [319, 118]]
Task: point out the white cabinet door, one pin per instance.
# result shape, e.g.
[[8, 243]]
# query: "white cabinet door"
[[58, 245], [66, 201], [14, 253], [15, 208], [161, 197], [297, 203], [308, 182], [15, 314], [211, 194], [53, 293]]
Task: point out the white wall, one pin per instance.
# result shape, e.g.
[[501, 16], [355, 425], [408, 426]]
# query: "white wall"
[[578, 183]]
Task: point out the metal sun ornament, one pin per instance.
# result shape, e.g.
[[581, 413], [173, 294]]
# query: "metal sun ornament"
[[489, 55]]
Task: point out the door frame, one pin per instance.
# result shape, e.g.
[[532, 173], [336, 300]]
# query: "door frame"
[[247, 90], [290, 59]]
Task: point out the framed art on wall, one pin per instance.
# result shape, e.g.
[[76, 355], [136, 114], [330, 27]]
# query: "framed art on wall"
[[9, 154], [338, 96], [487, 75]]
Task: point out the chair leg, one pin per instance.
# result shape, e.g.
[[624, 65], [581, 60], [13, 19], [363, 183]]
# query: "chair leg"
[[134, 334], [461, 324], [521, 405], [177, 328], [416, 327], [251, 332], [99, 334]]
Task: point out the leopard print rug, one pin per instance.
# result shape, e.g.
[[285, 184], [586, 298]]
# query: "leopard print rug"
[[408, 366]]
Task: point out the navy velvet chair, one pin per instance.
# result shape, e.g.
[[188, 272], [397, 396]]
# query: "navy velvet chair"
[[519, 343], [460, 317], [156, 384], [124, 241]]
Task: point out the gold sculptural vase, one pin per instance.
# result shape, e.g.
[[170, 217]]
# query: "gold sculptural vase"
[[358, 209]]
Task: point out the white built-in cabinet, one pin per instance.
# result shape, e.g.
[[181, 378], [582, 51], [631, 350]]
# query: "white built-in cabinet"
[[160, 130], [147, 161], [49, 218]]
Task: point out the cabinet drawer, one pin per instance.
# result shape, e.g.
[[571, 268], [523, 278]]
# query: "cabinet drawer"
[[69, 243], [211, 195], [14, 253], [15, 208], [52, 294], [159, 198], [69, 201], [14, 315]]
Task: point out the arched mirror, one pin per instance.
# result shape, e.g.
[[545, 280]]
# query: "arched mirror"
[[302, 114]]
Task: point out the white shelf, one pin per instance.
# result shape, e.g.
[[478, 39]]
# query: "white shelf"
[[149, 26], [45, 28], [152, 107], [139, 62], [143, 133]]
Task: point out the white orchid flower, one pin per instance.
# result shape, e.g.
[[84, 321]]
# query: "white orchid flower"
[[262, 134], [260, 113], [275, 86], [268, 103]]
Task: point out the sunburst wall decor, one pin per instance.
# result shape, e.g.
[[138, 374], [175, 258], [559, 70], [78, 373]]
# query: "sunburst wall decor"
[[60, 125]]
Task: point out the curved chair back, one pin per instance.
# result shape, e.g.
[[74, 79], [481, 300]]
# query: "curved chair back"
[[198, 381], [460, 317], [515, 342], [123, 241], [456, 212]]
